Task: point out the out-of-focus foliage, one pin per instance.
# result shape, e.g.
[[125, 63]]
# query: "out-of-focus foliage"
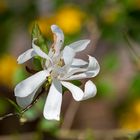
[[4, 106]]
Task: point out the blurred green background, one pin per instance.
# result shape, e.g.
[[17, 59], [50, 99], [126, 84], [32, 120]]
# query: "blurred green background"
[[113, 26]]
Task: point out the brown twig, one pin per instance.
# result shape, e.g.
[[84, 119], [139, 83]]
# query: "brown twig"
[[130, 47], [70, 114], [9, 115], [25, 109]]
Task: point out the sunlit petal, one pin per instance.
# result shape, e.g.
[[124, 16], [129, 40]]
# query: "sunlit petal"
[[89, 91], [58, 38], [27, 86], [39, 51], [93, 64], [53, 102], [26, 56], [78, 62], [68, 55], [91, 71], [79, 45]]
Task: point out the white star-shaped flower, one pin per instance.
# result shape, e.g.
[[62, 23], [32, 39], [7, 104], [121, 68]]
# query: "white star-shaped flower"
[[61, 66]]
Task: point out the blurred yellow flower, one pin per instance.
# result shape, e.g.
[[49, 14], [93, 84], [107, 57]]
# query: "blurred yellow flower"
[[70, 19], [137, 3], [3, 6], [8, 66], [131, 119], [134, 4], [110, 15]]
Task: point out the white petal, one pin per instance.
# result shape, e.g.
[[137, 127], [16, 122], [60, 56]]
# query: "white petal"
[[25, 101], [26, 56], [58, 32], [68, 55], [78, 62], [69, 73], [78, 94], [93, 64], [39, 51], [79, 45], [27, 86], [53, 103], [91, 71], [58, 38]]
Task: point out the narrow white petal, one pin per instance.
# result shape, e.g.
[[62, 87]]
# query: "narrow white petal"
[[71, 71], [79, 45], [81, 76], [25, 101], [27, 86], [58, 32], [78, 62], [26, 56], [89, 91], [91, 71], [58, 38], [39, 51], [53, 102], [93, 64], [68, 55]]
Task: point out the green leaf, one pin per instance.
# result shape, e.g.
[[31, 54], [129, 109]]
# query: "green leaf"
[[36, 32], [14, 104], [41, 42], [37, 63]]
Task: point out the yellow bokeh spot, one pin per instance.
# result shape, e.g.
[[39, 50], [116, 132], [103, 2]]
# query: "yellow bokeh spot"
[[8, 66], [131, 119], [137, 107], [137, 3], [70, 19], [3, 6]]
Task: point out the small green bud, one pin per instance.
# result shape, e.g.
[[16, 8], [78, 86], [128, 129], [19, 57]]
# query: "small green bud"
[[41, 41]]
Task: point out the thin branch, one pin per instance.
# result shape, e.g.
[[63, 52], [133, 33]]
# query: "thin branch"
[[34, 102], [130, 46], [9, 115], [70, 114], [25, 109]]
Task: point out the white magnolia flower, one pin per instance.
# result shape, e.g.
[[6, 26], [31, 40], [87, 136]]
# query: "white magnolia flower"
[[61, 66]]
